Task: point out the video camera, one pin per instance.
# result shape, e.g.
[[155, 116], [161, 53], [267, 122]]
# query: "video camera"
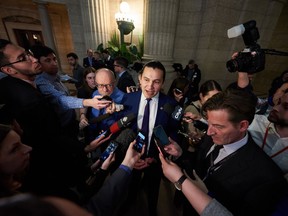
[[252, 58]]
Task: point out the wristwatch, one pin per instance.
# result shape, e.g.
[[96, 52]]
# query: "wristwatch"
[[178, 184]]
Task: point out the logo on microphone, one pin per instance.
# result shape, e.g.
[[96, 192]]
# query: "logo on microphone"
[[177, 114], [124, 120]]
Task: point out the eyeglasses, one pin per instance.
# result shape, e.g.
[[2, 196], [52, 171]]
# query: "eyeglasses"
[[25, 56], [101, 86]]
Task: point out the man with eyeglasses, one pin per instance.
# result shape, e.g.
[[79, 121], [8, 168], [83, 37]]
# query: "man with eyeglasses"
[[106, 86], [57, 93], [124, 78], [57, 163]]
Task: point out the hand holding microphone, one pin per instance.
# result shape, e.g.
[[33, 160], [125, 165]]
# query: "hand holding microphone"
[[97, 142], [114, 128], [100, 102]]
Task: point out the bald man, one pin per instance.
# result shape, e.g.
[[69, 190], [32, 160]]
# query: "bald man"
[[106, 86]]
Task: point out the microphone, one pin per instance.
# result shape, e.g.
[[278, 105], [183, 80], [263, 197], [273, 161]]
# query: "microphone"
[[99, 118], [120, 124], [178, 113], [119, 145], [199, 124], [123, 140], [168, 108], [118, 107]]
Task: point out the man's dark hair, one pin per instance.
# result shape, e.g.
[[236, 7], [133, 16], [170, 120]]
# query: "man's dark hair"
[[40, 50], [155, 65], [73, 55], [191, 61], [239, 104], [122, 61], [3, 58]]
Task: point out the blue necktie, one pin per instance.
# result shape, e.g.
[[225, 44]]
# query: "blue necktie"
[[145, 123]]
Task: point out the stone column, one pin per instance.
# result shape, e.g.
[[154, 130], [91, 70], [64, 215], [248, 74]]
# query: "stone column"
[[95, 15], [159, 34], [46, 24]]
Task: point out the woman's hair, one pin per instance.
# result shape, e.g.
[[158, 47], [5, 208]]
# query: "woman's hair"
[[85, 73], [208, 86], [179, 83]]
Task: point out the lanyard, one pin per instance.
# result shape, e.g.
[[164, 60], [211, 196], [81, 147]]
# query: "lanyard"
[[264, 143]]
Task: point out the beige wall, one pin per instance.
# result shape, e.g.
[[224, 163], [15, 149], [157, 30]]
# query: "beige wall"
[[59, 20], [275, 65], [201, 35]]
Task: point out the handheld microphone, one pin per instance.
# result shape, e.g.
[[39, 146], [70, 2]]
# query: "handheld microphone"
[[119, 145], [178, 113], [168, 108], [124, 139], [118, 107], [120, 124]]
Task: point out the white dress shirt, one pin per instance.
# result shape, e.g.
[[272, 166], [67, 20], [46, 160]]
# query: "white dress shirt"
[[152, 117], [229, 148]]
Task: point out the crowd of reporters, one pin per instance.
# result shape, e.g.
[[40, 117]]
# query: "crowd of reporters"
[[66, 159]]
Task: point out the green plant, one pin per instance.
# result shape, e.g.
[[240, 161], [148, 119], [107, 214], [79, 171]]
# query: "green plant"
[[128, 51]]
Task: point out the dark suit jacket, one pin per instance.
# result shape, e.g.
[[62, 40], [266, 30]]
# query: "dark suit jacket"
[[86, 62], [124, 81], [248, 183], [109, 64], [110, 195], [131, 102], [52, 163]]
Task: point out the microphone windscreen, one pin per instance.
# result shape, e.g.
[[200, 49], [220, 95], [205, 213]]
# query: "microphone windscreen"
[[236, 31], [126, 120], [168, 108], [123, 140], [178, 112], [99, 118]]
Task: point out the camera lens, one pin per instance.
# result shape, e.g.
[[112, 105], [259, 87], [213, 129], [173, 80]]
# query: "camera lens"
[[232, 65]]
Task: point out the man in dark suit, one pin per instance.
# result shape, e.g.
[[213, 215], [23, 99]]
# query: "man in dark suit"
[[148, 169], [54, 166], [89, 60], [108, 60], [234, 169], [124, 78]]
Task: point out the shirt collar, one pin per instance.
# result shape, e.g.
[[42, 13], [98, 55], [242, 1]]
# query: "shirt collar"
[[50, 77], [120, 74], [232, 147], [143, 98]]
